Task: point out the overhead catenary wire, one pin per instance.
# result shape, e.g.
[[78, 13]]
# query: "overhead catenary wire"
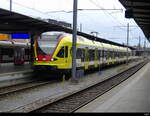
[[116, 20], [107, 13], [25, 6]]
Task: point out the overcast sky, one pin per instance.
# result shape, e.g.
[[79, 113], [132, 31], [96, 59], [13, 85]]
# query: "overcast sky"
[[110, 24]]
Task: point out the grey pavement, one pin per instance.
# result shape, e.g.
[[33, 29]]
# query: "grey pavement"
[[10, 67], [130, 96]]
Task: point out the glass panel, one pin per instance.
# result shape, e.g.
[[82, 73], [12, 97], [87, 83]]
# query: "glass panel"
[[48, 42], [61, 52]]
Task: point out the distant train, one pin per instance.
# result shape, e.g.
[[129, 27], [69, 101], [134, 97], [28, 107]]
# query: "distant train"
[[15, 52], [53, 52]]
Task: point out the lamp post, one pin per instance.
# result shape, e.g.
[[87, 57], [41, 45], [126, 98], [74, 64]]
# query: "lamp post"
[[74, 41], [10, 5], [127, 42]]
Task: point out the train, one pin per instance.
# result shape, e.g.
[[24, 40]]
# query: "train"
[[14, 52], [53, 52]]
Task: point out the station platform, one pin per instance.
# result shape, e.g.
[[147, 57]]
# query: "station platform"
[[10, 67], [130, 96], [40, 96], [11, 74]]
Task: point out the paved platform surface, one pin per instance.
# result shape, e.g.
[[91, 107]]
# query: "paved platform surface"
[[133, 95], [11, 74], [10, 67], [34, 98]]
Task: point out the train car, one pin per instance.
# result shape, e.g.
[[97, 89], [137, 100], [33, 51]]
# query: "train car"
[[53, 52], [15, 52]]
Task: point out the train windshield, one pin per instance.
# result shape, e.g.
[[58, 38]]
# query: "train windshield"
[[47, 43]]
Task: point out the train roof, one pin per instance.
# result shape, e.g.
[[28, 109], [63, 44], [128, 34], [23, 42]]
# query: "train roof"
[[90, 43], [85, 41]]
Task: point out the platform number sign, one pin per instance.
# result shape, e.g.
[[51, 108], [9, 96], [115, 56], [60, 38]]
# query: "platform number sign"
[[20, 36]]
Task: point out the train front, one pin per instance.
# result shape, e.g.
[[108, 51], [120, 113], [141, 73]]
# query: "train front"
[[45, 47]]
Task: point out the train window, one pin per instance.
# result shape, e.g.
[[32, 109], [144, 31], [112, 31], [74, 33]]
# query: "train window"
[[109, 54], [52, 36], [96, 54], [122, 54], [47, 42], [79, 53], [102, 53], [86, 54], [114, 54], [83, 55], [99, 54], [118, 54], [91, 55], [45, 47], [61, 52], [66, 51], [106, 54]]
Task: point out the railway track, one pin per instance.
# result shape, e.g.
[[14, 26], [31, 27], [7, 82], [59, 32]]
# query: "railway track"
[[81, 98], [5, 91]]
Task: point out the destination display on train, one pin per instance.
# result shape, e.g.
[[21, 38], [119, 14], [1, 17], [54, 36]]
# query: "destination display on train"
[[20, 36]]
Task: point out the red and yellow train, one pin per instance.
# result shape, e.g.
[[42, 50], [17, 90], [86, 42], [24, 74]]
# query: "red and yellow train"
[[53, 52]]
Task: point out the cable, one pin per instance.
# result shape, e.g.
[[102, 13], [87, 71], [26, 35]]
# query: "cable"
[[97, 5], [26, 7]]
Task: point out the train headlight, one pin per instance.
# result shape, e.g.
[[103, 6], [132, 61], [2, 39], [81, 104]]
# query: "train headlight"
[[36, 58], [52, 59]]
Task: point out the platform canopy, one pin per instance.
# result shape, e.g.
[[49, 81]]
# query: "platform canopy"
[[11, 22], [139, 10]]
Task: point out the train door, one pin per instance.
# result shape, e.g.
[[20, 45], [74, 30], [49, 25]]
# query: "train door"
[[96, 58], [66, 55], [19, 54], [102, 56], [99, 57], [86, 60], [114, 55], [63, 56], [108, 57]]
